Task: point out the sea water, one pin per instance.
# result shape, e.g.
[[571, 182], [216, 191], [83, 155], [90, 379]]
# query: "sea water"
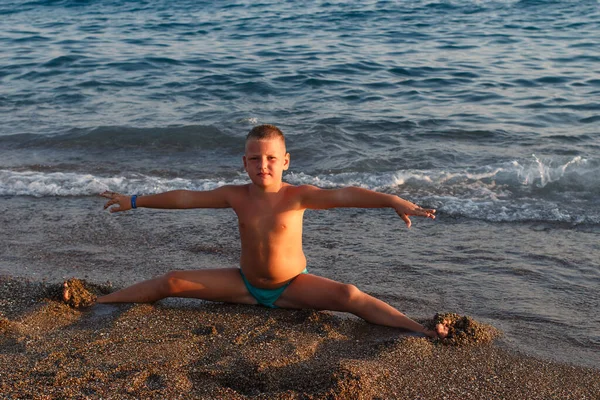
[[487, 111]]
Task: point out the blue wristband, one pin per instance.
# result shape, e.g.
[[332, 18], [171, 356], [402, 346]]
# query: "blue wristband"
[[133, 199]]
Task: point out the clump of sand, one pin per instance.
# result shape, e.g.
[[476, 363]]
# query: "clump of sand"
[[78, 293], [464, 330]]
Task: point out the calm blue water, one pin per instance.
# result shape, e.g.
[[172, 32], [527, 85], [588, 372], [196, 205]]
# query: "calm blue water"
[[488, 111]]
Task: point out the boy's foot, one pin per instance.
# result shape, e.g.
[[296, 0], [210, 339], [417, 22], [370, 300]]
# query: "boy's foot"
[[457, 330], [440, 332], [76, 295], [66, 293]]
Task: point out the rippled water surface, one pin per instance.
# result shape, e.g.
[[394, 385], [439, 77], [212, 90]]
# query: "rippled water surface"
[[486, 110]]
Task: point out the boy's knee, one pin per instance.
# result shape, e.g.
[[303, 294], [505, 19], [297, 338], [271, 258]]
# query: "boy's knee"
[[348, 293], [171, 282]]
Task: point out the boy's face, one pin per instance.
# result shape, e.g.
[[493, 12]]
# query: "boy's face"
[[265, 160]]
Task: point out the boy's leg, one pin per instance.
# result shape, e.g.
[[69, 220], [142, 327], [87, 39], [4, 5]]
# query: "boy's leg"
[[311, 291], [208, 284]]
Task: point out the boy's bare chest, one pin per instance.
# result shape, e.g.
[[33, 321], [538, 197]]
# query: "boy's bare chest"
[[261, 222], [261, 217]]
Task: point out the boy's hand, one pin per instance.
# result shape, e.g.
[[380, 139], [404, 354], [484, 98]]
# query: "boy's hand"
[[124, 202], [406, 208]]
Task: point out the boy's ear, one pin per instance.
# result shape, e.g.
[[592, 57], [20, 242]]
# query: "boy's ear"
[[286, 161], [244, 161]]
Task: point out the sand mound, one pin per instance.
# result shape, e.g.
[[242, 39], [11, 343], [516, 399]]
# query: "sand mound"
[[464, 330], [78, 293]]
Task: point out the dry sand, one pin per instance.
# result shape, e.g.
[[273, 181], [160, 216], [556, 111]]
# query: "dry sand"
[[203, 350]]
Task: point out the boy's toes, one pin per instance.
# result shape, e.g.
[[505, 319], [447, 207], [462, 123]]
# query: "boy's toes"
[[76, 295], [66, 294], [441, 330]]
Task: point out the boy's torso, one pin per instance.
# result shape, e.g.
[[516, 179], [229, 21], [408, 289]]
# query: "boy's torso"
[[271, 234]]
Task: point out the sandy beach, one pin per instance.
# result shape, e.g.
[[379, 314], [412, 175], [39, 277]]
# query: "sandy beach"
[[194, 349]]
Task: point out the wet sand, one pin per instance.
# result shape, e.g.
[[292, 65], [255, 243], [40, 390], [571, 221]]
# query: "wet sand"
[[194, 349]]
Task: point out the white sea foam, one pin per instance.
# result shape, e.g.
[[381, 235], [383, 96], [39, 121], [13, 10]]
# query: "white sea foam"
[[541, 173], [248, 120], [39, 184], [536, 174], [514, 191]]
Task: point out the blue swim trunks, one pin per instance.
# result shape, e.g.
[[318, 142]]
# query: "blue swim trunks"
[[266, 297]]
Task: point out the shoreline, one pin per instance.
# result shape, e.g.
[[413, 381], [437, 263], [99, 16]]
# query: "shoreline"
[[194, 349]]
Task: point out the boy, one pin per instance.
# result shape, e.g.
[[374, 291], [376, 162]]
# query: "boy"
[[272, 268]]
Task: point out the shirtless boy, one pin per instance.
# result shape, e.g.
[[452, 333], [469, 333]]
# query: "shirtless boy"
[[272, 268]]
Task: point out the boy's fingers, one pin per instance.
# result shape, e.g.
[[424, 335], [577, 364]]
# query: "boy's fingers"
[[426, 213], [109, 195], [113, 202], [429, 214], [110, 203], [406, 220]]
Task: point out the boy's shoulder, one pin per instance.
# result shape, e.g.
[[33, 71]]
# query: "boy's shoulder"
[[297, 188], [303, 188], [236, 190], [299, 192]]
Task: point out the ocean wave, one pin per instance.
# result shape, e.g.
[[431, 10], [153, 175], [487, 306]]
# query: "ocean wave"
[[537, 190], [119, 137], [576, 174], [63, 184]]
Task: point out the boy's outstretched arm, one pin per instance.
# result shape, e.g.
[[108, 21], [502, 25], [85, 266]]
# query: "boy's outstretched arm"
[[217, 198], [317, 198]]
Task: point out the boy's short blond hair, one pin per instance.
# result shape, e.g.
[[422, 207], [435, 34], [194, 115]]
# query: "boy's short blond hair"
[[267, 131]]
